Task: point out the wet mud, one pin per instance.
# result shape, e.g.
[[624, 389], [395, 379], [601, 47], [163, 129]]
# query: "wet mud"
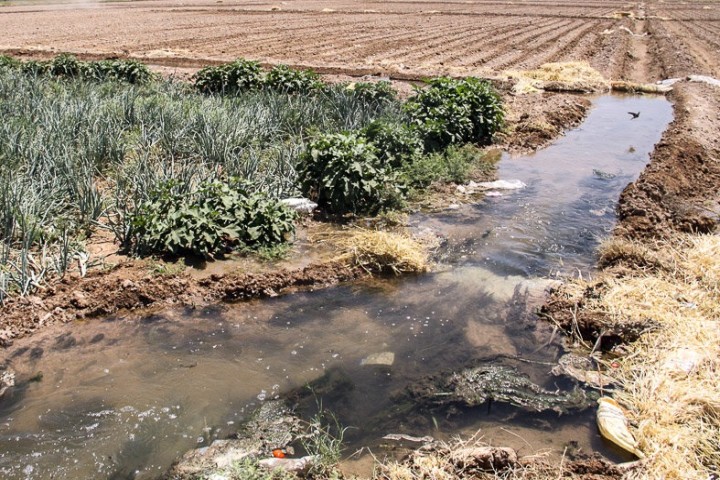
[[130, 287]]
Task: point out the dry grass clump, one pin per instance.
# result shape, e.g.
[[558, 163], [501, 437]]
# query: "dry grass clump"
[[379, 251], [469, 458], [670, 374], [473, 459], [575, 75], [633, 254]]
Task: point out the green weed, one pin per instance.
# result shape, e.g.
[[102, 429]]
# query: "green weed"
[[451, 111], [214, 219], [289, 80], [344, 175]]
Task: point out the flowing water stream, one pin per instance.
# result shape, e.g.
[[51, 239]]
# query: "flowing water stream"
[[125, 396]]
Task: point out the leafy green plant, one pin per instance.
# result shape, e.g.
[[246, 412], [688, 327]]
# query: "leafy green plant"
[[130, 71], [238, 76], [396, 144], [381, 91], [66, 65], [9, 62], [343, 174], [454, 164], [212, 220], [34, 67], [289, 80], [451, 111]]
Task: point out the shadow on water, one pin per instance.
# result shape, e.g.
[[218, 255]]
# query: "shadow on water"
[[123, 398]]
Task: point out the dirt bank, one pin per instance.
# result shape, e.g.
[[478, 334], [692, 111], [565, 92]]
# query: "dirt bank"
[[678, 191], [131, 286]]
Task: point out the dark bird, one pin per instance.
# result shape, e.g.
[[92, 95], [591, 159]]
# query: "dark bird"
[[634, 115]]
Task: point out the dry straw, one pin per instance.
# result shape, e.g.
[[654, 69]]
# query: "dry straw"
[[379, 251], [565, 75], [670, 374]]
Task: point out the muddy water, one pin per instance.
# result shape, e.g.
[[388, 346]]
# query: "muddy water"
[[124, 397]]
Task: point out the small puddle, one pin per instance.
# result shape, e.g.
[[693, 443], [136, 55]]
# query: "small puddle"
[[124, 397]]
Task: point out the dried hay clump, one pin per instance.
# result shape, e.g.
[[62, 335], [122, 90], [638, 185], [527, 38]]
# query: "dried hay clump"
[[564, 76], [670, 374], [633, 254], [451, 460], [379, 251]]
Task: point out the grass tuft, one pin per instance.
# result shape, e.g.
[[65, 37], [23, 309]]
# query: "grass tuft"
[[388, 252]]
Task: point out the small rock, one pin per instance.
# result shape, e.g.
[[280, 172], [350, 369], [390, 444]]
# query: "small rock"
[[128, 284], [461, 189], [453, 206], [381, 358], [7, 380], [79, 300], [493, 193], [491, 459], [583, 370], [604, 175]]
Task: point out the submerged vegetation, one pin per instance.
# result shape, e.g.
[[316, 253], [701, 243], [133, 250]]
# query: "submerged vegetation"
[[178, 168]]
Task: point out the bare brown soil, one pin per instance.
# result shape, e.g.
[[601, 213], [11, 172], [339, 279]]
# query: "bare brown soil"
[[403, 39], [533, 121], [679, 189]]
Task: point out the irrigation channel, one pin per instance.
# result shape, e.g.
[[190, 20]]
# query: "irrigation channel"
[[124, 397]]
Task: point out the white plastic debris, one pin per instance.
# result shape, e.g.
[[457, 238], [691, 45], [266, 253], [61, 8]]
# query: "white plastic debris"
[[293, 465], [302, 205], [682, 360], [502, 185]]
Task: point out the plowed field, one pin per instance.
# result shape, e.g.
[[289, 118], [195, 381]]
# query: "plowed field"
[[398, 38]]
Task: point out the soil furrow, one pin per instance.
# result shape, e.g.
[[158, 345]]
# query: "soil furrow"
[[501, 48], [531, 45]]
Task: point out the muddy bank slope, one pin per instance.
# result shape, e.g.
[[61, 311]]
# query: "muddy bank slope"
[[678, 191], [131, 286]]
